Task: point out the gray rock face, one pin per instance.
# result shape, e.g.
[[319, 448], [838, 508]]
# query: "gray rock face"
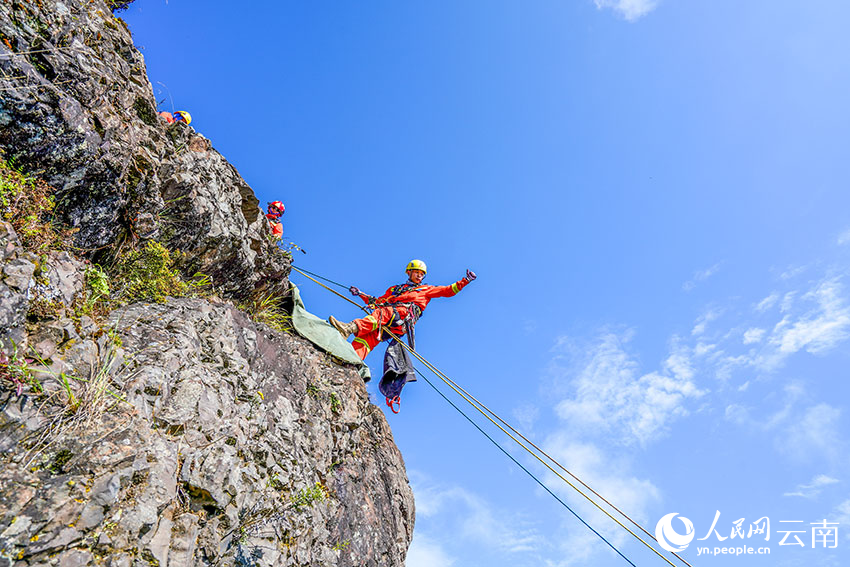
[[76, 108], [15, 278], [173, 434], [234, 444]]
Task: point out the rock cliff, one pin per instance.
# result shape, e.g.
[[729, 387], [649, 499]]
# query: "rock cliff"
[[138, 429]]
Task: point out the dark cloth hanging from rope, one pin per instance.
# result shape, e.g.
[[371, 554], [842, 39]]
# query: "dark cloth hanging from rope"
[[398, 370]]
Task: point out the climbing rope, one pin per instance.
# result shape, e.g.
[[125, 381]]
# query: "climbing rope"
[[559, 465], [484, 410], [528, 472], [343, 286]]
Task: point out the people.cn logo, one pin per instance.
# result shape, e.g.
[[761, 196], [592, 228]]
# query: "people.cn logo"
[[669, 538]]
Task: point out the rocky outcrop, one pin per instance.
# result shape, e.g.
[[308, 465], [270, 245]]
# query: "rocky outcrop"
[[234, 444], [77, 108], [175, 433]]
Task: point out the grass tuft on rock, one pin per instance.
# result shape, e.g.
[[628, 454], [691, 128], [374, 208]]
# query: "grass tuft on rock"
[[267, 307]]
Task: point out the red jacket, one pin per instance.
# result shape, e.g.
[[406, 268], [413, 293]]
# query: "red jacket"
[[419, 295], [277, 229]]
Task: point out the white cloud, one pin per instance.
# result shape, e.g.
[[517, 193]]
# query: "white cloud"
[[753, 335], [814, 488], [526, 415], [703, 349], [802, 432], [471, 517], [609, 395], [793, 394], [701, 276], [529, 326], [629, 9], [576, 547], [767, 302], [787, 301], [608, 474], [727, 364], [704, 320], [816, 322], [792, 272], [737, 414], [844, 237], [814, 434], [606, 402], [819, 329], [842, 516], [426, 552]]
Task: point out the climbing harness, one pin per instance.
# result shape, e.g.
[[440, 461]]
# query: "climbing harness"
[[487, 412], [398, 369], [402, 288]]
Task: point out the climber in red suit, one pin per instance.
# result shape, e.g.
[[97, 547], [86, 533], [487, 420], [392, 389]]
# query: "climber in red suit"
[[399, 304], [276, 210], [179, 116]]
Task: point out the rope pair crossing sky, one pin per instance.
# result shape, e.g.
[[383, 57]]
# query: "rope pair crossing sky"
[[501, 424]]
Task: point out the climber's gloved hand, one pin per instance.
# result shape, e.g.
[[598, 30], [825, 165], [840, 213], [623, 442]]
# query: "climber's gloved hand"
[[354, 291], [470, 276]]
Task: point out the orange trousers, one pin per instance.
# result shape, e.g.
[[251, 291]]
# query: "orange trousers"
[[369, 333]]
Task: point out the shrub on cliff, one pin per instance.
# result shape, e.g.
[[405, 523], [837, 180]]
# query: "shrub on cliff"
[[148, 274], [27, 203]]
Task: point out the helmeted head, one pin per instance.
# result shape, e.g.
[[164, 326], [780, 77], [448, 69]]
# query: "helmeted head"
[[183, 115], [276, 207], [416, 270]]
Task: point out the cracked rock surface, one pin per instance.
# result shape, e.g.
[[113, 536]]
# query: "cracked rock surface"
[[232, 443]]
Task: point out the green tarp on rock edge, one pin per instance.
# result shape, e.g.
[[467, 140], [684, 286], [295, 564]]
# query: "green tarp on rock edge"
[[323, 335]]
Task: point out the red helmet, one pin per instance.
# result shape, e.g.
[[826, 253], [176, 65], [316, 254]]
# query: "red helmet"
[[277, 205]]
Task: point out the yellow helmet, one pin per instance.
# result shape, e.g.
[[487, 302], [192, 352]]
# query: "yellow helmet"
[[185, 116], [416, 265]]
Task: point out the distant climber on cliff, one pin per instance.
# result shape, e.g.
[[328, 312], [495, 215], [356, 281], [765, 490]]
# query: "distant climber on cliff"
[[399, 308], [276, 209], [178, 116]]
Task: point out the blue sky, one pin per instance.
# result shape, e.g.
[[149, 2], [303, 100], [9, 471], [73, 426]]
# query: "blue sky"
[[654, 195]]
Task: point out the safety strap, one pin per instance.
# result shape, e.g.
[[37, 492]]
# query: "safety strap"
[[394, 403], [411, 338]]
